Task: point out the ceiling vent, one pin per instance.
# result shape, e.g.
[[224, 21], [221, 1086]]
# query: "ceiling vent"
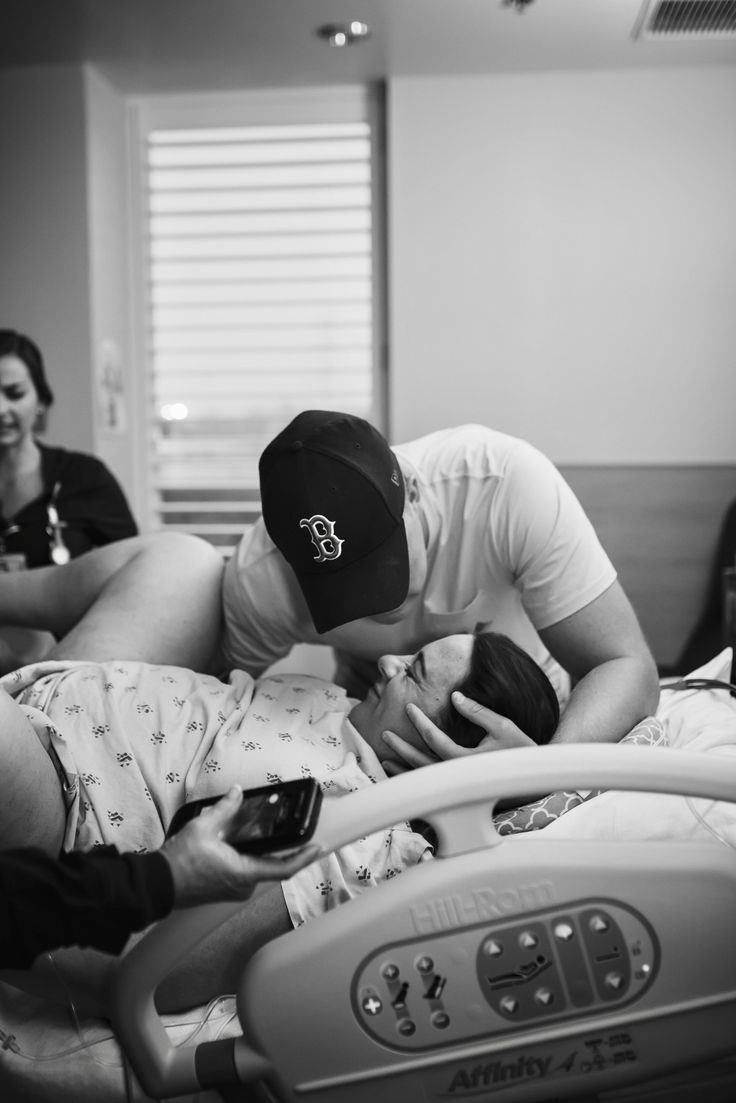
[[676, 19]]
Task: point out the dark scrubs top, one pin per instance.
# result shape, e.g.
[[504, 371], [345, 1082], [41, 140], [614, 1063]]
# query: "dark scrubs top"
[[86, 498]]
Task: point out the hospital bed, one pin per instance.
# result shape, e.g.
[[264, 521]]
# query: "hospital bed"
[[591, 960]]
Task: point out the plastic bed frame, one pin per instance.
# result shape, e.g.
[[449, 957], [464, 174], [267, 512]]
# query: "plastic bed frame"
[[516, 969]]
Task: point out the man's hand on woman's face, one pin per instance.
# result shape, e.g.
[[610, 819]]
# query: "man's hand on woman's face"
[[501, 733]]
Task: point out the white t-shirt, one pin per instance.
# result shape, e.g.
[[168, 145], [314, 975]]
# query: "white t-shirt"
[[510, 549]]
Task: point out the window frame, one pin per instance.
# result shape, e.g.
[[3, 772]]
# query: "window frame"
[[334, 104]]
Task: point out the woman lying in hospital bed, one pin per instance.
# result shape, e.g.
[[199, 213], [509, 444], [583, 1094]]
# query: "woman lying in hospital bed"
[[51, 1052], [102, 743]]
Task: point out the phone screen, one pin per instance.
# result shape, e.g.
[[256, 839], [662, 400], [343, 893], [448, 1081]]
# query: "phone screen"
[[272, 817], [261, 815], [277, 816]]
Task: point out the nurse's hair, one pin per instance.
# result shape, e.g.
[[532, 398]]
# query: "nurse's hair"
[[505, 679], [17, 344]]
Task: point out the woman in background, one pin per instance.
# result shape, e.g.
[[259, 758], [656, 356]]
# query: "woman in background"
[[55, 504]]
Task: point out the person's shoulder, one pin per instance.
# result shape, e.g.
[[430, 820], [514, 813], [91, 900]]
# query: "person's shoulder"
[[469, 449], [256, 550], [258, 568], [265, 613], [67, 461], [87, 485]]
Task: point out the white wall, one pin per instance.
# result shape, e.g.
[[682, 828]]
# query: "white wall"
[[65, 274], [563, 261], [562, 256], [44, 275], [118, 427]]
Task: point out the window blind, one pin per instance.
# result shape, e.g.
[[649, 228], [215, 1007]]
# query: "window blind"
[[260, 303]]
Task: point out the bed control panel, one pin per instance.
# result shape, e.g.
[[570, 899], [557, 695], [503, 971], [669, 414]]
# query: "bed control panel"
[[449, 988]]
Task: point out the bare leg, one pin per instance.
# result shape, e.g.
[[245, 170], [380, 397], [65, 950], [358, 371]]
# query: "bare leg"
[[32, 812], [151, 598], [19, 646]]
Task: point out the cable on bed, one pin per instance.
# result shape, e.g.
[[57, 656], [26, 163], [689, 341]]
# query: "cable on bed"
[[700, 816], [131, 1091], [700, 683], [704, 683]]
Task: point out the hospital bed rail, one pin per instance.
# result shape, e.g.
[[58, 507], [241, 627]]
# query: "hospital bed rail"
[[508, 969]]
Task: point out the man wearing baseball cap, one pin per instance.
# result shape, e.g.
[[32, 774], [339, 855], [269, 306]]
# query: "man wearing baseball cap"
[[375, 550], [332, 495]]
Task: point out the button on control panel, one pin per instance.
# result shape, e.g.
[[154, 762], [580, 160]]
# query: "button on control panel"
[[451, 987]]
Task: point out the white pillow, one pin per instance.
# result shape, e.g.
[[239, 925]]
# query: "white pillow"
[[696, 719], [717, 667], [701, 719]]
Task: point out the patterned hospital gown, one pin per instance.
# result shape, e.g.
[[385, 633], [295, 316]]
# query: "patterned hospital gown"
[[133, 742]]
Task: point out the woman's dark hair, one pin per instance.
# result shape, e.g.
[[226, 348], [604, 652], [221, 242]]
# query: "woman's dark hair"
[[505, 679], [15, 344]]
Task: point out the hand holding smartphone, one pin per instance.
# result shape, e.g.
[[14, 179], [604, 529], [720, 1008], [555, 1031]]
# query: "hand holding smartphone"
[[271, 818]]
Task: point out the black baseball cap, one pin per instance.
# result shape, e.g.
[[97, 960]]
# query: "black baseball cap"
[[332, 496]]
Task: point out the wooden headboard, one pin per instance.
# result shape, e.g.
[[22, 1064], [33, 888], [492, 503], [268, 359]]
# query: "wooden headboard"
[[660, 526]]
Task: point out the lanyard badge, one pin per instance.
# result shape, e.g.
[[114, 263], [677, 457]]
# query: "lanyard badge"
[[58, 550]]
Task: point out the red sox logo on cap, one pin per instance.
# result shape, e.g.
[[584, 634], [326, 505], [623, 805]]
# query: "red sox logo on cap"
[[322, 534]]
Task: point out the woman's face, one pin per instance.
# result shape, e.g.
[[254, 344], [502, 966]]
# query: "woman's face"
[[19, 403], [426, 679]]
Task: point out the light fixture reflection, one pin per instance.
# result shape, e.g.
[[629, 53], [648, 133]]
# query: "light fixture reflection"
[[174, 411], [344, 34]]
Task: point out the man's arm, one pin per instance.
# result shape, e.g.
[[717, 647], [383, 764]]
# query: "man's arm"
[[615, 682], [97, 899], [210, 970], [615, 685], [83, 899]]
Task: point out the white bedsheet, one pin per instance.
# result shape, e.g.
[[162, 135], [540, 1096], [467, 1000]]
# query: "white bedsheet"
[[47, 1057], [696, 720]]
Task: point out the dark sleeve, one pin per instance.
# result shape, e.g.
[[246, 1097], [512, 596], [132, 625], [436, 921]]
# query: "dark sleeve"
[[95, 899], [91, 504]]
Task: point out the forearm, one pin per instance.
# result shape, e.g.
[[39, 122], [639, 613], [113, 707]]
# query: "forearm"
[[608, 701], [215, 965], [83, 977]]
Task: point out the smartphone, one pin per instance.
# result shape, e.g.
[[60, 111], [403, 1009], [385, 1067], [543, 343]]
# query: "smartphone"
[[271, 818]]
